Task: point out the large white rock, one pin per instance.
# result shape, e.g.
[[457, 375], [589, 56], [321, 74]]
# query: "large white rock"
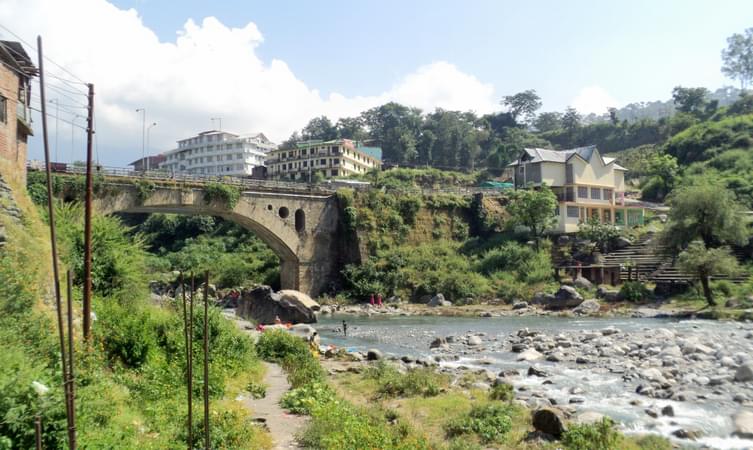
[[530, 355], [743, 422]]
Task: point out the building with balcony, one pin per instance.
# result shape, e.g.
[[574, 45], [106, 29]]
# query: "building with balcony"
[[218, 153], [587, 185], [336, 158], [16, 72]]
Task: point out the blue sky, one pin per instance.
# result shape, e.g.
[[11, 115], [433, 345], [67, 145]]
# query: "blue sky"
[[272, 66], [635, 50]]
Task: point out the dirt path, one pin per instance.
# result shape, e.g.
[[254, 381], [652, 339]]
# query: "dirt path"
[[282, 426]]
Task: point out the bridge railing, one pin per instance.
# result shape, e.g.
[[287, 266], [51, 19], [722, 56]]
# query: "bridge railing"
[[324, 188]]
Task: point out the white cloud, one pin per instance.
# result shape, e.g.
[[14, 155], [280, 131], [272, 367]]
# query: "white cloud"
[[210, 70], [593, 99]]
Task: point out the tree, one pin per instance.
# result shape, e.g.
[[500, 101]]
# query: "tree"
[[351, 128], [704, 209], [319, 128], [571, 120], [548, 121], [613, 115], [292, 140], [692, 101], [523, 105], [601, 234], [396, 128], [661, 173], [705, 262], [533, 209], [738, 57]]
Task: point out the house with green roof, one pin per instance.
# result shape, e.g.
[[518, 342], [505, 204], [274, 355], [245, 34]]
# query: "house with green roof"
[[328, 159]]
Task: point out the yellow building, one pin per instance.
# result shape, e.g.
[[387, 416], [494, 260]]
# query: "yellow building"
[[336, 158], [587, 185]]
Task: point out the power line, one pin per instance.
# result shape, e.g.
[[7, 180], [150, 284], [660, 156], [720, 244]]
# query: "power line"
[[45, 57], [60, 119]]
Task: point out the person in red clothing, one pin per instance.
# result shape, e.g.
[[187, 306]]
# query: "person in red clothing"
[[372, 300], [379, 300]]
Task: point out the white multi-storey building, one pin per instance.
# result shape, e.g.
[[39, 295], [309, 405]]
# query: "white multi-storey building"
[[218, 153]]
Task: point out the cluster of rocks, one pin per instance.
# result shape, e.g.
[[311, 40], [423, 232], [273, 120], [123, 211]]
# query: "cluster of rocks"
[[659, 364]]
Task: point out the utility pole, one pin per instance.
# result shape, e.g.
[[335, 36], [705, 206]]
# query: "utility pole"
[[154, 124], [143, 135], [88, 218]]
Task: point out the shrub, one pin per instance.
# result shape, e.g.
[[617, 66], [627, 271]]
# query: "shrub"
[[144, 189], [126, 333], [222, 192], [303, 399], [490, 423], [634, 291], [527, 264], [409, 205], [653, 442], [597, 436], [502, 391], [257, 390], [276, 345], [302, 368]]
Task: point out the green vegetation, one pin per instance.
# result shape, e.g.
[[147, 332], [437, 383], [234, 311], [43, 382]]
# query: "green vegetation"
[[634, 291], [220, 192], [534, 210], [597, 436], [705, 262], [392, 383], [489, 422]]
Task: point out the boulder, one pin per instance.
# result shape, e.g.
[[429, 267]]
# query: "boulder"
[[394, 299], [582, 283], [439, 343], [549, 421], [438, 300], [743, 423], [668, 411], [682, 433], [520, 305], [530, 355], [535, 371], [373, 354], [591, 306], [744, 373], [566, 297], [263, 305], [474, 341]]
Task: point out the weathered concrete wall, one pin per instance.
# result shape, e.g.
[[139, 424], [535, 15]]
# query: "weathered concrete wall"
[[301, 229]]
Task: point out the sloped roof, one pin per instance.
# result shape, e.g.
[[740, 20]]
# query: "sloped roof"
[[14, 53], [374, 152], [562, 156]]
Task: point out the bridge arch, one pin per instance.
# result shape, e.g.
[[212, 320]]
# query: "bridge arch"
[[307, 254]]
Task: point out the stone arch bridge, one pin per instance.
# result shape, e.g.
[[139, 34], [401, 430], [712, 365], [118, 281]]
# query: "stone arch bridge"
[[300, 226]]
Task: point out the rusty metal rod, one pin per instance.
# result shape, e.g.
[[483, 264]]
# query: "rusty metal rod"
[[206, 361], [38, 432], [71, 353], [87, 324], [53, 238]]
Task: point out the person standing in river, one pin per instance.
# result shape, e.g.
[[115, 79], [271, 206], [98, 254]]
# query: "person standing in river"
[[345, 329]]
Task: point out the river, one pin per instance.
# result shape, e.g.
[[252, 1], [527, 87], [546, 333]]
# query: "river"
[[709, 407]]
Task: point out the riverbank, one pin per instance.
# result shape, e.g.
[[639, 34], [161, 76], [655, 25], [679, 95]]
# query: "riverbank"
[[627, 368]]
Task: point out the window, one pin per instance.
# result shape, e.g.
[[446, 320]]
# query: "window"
[[305, 164], [3, 109], [323, 162], [557, 210], [608, 194], [334, 173], [582, 192], [596, 193], [336, 162], [239, 156], [303, 152], [569, 177], [573, 212]]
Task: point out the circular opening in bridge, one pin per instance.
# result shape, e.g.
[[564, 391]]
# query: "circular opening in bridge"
[[269, 208], [300, 220], [283, 212]]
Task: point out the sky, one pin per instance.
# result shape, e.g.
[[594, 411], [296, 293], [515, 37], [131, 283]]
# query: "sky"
[[271, 66]]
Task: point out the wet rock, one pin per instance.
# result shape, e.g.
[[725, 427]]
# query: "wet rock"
[[743, 423], [474, 341], [439, 300], [520, 305], [587, 307], [577, 399], [530, 355], [439, 343], [555, 357], [517, 348], [582, 360], [744, 373], [485, 314], [374, 354], [668, 411], [537, 372], [651, 413], [549, 421], [683, 433], [566, 297], [589, 417]]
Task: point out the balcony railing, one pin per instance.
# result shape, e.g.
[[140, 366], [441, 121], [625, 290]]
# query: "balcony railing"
[[23, 112]]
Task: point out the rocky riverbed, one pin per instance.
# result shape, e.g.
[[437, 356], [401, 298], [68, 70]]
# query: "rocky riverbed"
[[689, 380]]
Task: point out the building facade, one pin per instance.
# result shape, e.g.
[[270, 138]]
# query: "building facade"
[[586, 184], [16, 72], [148, 163], [336, 158], [218, 153]]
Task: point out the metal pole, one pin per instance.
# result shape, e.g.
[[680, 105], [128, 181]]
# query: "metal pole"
[[147, 162], [71, 376], [190, 364], [51, 212], [88, 218], [38, 432], [206, 361]]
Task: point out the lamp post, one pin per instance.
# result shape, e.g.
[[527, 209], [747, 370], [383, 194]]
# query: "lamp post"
[[154, 124], [219, 119], [143, 134]]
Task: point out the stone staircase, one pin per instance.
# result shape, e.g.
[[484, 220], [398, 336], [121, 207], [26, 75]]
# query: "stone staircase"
[[645, 256]]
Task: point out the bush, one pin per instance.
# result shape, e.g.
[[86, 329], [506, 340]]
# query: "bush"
[[653, 442], [527, 264], [276, 345], [223, 193], [303, 399], [503, 392], [424, 381], [490, 423], [634, 291], [302, 369], [597, 436], [127, 333]]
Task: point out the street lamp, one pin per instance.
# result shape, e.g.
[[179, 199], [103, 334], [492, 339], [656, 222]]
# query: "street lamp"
[[154, 124], [143, 134], [219, 119]]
